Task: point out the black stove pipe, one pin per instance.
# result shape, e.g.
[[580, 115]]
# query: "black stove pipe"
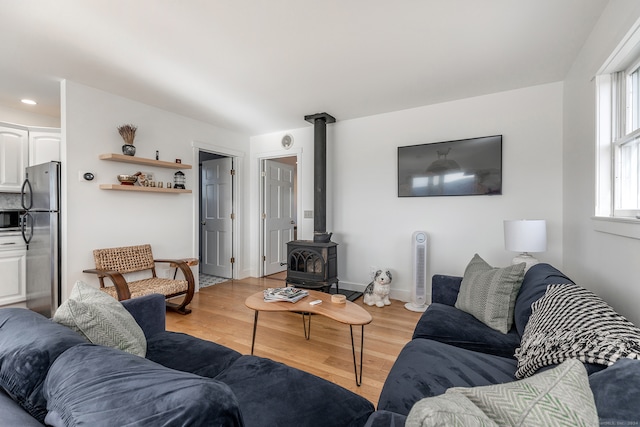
[[320, 122]]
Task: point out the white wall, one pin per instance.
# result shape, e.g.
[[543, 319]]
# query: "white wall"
[[373, 226], [605, 263], [94, 218]]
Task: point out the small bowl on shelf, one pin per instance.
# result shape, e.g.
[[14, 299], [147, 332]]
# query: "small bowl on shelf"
[[127, 179]]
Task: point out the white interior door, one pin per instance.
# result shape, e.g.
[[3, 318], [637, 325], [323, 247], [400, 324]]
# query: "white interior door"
[[216, 217], [279, 214]]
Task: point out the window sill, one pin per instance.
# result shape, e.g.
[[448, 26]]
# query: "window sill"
[[625, 227]]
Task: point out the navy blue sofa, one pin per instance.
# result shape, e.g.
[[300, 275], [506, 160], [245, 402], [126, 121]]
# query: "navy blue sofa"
[[47, 370], [451, 348]]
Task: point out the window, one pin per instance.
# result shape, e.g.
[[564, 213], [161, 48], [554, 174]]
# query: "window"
[[618, 134]]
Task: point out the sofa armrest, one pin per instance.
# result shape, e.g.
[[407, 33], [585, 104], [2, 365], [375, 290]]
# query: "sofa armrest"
[[149, 311], [444, 289]]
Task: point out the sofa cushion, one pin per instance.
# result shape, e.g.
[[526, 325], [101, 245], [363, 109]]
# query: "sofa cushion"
[[572, 322], [149, 311], [442, 322], [427, 368], [444, 289], [14, 415], [29, 344], [534, 285], [102, 386], [616, 391], [101, 319], [293, 397], [189, 354], [558, 397], [489, 293]]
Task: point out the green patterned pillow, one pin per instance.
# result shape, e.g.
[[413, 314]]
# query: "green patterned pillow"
[[558, 397], [489, 293], [101, 319], [447, 410]]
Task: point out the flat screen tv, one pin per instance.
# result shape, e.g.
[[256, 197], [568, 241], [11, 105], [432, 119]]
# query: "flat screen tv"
[[463, 167]]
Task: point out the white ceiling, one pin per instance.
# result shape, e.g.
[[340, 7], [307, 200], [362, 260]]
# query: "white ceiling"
[[257, 66]]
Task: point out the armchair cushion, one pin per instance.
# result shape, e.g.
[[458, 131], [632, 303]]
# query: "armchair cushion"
[[489, 293], [101, 319], [89, 385]]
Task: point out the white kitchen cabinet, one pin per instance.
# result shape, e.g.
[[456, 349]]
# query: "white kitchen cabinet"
[[14, 155], [13, 270], [44, 145]]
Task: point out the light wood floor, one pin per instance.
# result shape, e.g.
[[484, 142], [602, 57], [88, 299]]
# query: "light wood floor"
[[219, 315]]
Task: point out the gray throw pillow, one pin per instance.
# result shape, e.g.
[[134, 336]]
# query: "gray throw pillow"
[[447, 410], [489, 293], [559, 397], [101, 319]]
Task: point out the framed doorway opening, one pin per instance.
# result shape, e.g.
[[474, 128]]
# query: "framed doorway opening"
[[279, 213]]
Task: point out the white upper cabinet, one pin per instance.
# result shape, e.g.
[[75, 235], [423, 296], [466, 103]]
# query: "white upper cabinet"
[[14, 155], [44, 146]]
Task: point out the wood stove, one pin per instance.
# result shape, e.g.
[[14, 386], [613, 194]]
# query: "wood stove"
[[314, 264]]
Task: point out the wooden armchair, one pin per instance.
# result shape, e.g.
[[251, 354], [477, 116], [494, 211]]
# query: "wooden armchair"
[[114, 263]]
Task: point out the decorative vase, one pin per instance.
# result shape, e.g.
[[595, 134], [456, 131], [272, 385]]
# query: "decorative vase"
[[129, 150]]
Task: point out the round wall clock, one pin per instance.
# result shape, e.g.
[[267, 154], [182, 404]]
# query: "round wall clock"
[[287, 141]]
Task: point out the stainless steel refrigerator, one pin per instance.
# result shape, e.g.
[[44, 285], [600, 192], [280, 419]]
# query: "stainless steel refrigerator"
[[41, 232]]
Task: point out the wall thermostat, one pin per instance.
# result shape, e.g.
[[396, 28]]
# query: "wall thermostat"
[[88, 176]]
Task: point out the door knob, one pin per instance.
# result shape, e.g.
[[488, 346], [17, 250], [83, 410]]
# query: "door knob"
[[203, 222]]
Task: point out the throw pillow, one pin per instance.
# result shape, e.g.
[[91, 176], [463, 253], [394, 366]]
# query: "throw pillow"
[[557, 397], [572, 322], [489, 293], [101, 319], [450, 409]]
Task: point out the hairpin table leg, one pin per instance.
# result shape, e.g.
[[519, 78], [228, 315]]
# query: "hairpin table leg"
[[353, 349], [255, 324]]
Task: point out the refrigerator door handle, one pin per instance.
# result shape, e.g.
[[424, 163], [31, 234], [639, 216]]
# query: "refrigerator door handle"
[[25, 220], [26, 184]]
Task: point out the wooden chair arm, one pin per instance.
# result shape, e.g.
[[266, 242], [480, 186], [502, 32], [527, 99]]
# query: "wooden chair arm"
[[118, 281], [186, 271]]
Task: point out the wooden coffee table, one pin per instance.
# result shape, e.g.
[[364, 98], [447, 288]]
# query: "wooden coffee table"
[[347, 313]]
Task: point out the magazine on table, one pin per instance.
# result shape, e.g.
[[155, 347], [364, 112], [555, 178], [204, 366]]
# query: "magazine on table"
[[289, 294]]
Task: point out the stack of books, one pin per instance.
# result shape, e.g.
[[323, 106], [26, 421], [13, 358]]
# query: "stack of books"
[[289, 294]]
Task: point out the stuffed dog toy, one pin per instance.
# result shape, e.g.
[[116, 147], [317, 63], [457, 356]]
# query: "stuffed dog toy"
[[378, 291]]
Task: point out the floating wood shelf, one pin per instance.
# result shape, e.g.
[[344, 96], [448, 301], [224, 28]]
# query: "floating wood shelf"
[[142, 161], [120, 187]]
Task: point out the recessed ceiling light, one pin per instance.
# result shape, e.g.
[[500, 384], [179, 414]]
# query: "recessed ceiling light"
[[29, 101]]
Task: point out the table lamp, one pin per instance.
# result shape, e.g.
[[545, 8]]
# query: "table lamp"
[[524, 236]]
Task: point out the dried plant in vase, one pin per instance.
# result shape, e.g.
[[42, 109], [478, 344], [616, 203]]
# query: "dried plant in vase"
[[128, 134]]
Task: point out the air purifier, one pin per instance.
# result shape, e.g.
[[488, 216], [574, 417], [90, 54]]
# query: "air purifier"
[[419, 295]]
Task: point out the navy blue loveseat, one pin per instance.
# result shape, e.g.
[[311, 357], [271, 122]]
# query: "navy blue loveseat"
[[451, 348], [47, 370]]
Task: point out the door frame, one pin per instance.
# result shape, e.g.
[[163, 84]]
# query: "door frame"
[[238, 165], [274, 155]]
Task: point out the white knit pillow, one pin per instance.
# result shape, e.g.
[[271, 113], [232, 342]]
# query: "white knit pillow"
[[101, 319]]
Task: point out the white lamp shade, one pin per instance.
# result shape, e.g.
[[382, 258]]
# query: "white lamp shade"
[[525, 235]]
